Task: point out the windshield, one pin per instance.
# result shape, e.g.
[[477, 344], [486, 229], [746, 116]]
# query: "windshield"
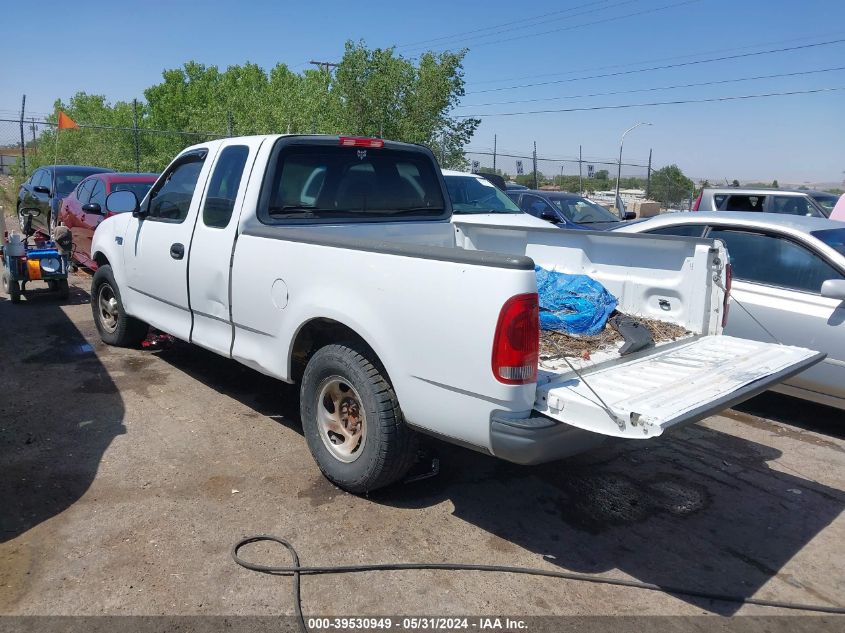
[[140, 189], [582, 211], [470, 194], [66, 180], [835, 238], [826, 201]]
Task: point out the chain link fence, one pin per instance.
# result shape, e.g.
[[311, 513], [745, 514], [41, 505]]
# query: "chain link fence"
[[26, 144], [588, 175]]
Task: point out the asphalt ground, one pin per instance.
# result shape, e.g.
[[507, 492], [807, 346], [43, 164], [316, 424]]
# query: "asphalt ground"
[[127, 475]]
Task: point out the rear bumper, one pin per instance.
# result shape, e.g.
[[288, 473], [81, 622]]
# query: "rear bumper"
[[538, 439]]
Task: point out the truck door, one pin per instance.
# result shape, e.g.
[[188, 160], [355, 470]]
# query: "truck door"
[[157, 244], [213, 242]]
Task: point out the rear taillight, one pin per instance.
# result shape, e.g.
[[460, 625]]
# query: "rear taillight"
[[726, 305], [516, 343], [361, 141], [697, 203]]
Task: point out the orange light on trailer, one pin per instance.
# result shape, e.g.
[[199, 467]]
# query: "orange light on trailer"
[[33, 268], [361, 141]]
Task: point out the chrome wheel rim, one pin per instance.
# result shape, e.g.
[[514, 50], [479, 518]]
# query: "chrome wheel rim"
[[108, 311], [341, 421]]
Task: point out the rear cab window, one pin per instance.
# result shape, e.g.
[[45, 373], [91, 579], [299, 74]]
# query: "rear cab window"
[[224, 185], [317, 181]]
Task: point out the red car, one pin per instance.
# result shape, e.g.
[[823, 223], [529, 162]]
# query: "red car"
[[84, 209]]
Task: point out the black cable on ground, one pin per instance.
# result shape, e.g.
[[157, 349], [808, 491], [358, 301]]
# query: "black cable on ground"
[[296, 570]]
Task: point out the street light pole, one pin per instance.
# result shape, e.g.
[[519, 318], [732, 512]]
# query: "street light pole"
[[619, 166]]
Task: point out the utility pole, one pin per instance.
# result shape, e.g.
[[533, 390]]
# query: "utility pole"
[[580, 178], [535, 164], [135, 136], [23, 140], [648, 178], [326, 66], [494, 153]]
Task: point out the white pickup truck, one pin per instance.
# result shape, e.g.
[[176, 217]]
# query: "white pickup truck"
[[332, 262]]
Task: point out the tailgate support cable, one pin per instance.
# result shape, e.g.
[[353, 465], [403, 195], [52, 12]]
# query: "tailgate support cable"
[[616, 419], [721, 286]]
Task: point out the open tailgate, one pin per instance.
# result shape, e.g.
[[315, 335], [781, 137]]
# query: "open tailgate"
[[669, 385]]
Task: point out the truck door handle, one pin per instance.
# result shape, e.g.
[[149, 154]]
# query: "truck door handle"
[[177, 250]]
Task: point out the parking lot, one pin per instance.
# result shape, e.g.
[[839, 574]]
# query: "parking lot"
[[128, 475]]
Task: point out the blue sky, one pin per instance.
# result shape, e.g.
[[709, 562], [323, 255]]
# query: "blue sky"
[[118, 49]]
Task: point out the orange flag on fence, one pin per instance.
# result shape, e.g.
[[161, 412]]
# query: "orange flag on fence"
[[66, 123]]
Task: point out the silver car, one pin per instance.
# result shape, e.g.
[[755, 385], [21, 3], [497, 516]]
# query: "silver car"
[[780, 201], [789, 276]]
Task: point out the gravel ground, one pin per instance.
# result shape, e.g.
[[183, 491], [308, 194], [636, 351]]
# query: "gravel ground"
[[127, 475]]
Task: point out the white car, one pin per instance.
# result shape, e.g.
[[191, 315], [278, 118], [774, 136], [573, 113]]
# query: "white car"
[[335, 263], [478, 201], [789, 275]]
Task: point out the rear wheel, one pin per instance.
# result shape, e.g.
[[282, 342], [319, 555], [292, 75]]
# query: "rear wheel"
[[352, 421], [11, 288], [114, 325]]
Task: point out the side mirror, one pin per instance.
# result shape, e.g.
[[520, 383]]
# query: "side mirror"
[[834, 289], [31, 212], [41, 189], [92, 207], [122, 202], [548, 215], [630, 215]]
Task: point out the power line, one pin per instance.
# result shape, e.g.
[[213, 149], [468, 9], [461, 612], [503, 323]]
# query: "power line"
[[655, 89], [579, 26], [666, 66], [591, 8], [655, 103], [510, 23], [658, 59]]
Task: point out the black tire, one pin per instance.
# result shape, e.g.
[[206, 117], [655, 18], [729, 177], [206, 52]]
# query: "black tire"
[[62, 287], [114, 325], [11, 288], [388, 447]]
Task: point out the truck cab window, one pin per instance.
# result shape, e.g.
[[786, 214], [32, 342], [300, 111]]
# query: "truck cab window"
[[171, 201], [325, 182], [223, 189]]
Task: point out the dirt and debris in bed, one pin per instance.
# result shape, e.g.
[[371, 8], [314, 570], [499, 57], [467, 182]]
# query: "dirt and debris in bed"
[[557, 344]]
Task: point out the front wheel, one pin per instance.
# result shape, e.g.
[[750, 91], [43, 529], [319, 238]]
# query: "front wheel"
[[114, 325], [352, 421]]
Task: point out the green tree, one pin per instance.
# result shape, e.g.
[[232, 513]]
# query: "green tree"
[[373, 92], [735, 183], [775, 184], [670, 186]]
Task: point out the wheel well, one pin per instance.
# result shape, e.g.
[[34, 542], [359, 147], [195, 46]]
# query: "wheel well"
[[101, 259], [320, 332]]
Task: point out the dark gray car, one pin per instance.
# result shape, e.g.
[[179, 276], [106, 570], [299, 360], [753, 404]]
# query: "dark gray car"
[[566, 210], [46, 188]]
